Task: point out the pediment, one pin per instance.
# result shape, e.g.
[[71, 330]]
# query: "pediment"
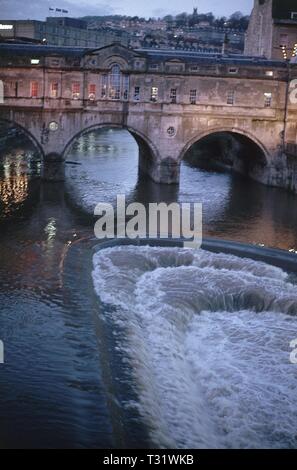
[[174, 61], [106, 56]]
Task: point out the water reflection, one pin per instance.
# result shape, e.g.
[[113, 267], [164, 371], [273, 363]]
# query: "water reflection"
[[19, 172], [56, 387], [234, 207]]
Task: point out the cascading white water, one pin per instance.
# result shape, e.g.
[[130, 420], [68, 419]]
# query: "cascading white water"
[[208, 340]]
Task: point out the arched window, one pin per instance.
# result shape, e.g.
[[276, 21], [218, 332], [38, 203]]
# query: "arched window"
[[115, 85], [115, 81]]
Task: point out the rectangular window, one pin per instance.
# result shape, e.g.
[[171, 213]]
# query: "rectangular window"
[[11, 89], [269, 73], [267, 100], [75, 91], [104, 86], [92, 92], [55, 62], [193, 96], [126, 85], [230, 97], [294, 15], [136, 96], [154, 94], [233, 70], [54, 90], [173, 95], [34, 89]]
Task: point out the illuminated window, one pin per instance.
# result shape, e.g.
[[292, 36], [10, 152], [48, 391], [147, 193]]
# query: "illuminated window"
[[104, 84], [231, 97], [173, 95], [269, 73], [35, 61], [193, 96], [136, 96], [233, 70], [126, 87], [34, 89], [92, 92], [115, 85], [75, 91], [267, 100], [115, 82], [54, 90], [154, 94]]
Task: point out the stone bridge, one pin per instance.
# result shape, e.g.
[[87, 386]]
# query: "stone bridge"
[[168, 101]]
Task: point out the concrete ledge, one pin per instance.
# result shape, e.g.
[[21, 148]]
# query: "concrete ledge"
[[275, 257]]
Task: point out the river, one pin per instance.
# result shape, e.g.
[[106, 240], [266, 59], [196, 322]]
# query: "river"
[[141, 347]]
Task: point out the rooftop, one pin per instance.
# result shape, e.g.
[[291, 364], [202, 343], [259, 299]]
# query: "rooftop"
[[156, 55]]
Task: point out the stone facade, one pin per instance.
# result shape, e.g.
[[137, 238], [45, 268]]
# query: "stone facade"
[[272, 31], [167, 103]]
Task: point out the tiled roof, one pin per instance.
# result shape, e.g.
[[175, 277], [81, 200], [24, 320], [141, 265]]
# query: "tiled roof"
[[153, 55]]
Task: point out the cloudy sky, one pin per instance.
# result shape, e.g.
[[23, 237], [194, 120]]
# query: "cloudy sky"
[[38, 9]]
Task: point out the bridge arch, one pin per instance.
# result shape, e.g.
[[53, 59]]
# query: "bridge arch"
[[234, 148], [34, 141], [225, 130], [148, 152]]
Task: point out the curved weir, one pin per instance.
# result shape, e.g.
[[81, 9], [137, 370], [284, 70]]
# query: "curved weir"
[[207, 338]]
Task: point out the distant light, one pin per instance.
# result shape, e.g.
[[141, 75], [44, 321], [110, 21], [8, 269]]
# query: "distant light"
[[35, 61], [6, 26], [269, 73]]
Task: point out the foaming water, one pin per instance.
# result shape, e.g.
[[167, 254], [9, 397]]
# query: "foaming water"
[[207, 338]]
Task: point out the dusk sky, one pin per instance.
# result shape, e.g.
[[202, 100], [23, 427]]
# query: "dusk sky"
[[39, 9]]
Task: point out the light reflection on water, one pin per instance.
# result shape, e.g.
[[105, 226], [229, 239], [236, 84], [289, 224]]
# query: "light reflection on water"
[[19, 170], [234, 208], [56, 387]]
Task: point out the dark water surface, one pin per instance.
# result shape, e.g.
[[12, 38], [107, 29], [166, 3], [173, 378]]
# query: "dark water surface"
[[63, 383]]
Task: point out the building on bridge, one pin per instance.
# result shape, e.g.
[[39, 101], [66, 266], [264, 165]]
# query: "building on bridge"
[[168, 100], [272, 31]]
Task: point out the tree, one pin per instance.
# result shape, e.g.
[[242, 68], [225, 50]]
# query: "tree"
[[181, 19]]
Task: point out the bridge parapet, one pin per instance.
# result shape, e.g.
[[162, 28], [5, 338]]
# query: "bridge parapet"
[[167, 103]]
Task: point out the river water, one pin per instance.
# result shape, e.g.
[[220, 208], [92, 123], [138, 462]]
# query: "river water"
[[138, 346]]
